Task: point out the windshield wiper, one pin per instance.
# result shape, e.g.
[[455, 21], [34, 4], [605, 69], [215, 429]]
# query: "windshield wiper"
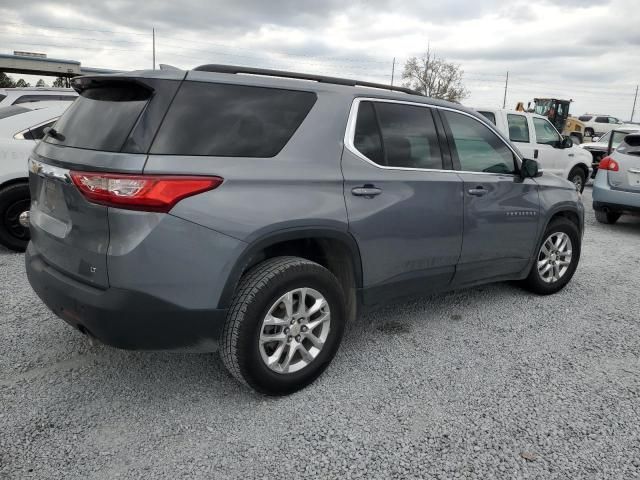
[[53, 133]]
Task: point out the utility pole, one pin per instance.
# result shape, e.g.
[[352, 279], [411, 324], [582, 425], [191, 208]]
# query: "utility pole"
[[506, 85], [393, 71], [633, 110], [153, 32]]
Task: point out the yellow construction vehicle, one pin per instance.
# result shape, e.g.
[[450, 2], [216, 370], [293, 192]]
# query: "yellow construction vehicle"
[[557, 111]]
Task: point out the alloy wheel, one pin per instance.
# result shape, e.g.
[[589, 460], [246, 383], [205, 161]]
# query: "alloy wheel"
[[554, 257], [294, 330]]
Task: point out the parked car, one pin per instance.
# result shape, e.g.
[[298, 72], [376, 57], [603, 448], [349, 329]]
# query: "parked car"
[[599, 146], [21, 126], [616, 189], [17, 96], [258, 211], [537, 138], [598, 125]]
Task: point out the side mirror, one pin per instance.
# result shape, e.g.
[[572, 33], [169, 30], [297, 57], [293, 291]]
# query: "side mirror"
[[566, 142], [530, 169], [595, 139]]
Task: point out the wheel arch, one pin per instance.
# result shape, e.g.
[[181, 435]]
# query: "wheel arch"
[[334, 249], [13, 181]]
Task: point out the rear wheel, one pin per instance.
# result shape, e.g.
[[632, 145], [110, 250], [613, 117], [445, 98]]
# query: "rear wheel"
[[576, 139], [284, 325], [578, 178], [14, 200], [607, 217], [557, 258]]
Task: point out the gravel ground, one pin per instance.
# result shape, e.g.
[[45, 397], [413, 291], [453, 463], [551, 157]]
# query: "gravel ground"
[[490, 382]]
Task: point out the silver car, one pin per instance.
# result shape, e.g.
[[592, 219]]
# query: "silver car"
[[616, 189]]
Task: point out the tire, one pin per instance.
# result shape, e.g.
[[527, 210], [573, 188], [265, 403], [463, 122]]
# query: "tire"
[[258, 293], [576, 139], [578, 178], [14, 199], [535, 281], [607, 217], [588, 132]]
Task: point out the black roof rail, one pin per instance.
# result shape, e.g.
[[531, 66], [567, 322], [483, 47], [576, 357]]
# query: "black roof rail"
[[300, 76]]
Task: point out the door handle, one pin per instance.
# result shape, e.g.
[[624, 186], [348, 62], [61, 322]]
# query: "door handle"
[[535, 154], [478, 191], [368, 191]]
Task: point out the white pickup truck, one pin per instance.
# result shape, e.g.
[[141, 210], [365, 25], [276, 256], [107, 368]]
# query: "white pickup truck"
[[538, 139]]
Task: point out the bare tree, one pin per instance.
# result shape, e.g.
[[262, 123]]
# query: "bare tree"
[[41, 83], [22, 83], [434, 77]]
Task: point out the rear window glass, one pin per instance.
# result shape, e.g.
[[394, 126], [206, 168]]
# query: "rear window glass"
[[518, 128], [102, 117], [7, 112], [43, 98], [585, 118], [231, 120], [489, 116]]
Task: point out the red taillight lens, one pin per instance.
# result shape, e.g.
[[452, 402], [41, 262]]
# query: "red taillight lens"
[[153, 193], [608, 163]]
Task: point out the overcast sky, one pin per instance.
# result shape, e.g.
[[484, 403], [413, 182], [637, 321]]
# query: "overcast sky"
[[586, 50]]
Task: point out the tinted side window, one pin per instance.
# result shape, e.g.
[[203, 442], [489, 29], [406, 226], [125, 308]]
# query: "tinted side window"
[[602, 120], [231, 120], [545, 132], [585, 118], [477, 148], [367, 137], [409, 136], [518, 128], [489, 116]]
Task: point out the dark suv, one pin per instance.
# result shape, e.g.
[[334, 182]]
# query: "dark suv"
[[257, 211]]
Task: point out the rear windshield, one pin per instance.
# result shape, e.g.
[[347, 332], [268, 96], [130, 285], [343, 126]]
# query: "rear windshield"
[[102, 117], [7, 112], [231, 120], [44, 98]]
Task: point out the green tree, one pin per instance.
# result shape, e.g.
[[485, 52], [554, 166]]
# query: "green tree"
[[21, 83], [5, 81], [41, 83], [434, 77], [59, 82]]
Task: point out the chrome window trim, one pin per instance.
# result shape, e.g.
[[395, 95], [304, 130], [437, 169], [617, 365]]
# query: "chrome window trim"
[[20, 134], [351, 130]]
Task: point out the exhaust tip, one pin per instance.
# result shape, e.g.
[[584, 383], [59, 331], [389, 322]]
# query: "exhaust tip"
[[24, 219]]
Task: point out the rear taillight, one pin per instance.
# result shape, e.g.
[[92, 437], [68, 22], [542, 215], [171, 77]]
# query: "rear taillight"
[[154, 193], [608, 163]]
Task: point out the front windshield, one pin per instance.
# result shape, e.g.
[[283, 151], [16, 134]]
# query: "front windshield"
[[542, 108], [605, 138], [618, 137]]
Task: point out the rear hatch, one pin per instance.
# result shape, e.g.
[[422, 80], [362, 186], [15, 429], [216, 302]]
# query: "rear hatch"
[[627, 156], [108, 129]]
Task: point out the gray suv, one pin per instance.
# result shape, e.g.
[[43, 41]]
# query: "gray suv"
[[258, 211]]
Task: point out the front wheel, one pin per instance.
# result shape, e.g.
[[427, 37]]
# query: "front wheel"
[[557, 258], [578, 178], [284, 325]]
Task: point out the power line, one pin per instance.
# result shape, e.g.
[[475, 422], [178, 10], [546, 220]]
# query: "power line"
[[74, 28]]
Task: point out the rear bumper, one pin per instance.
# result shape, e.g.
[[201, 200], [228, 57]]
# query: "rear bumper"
[[605, 197], [124, 318]]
